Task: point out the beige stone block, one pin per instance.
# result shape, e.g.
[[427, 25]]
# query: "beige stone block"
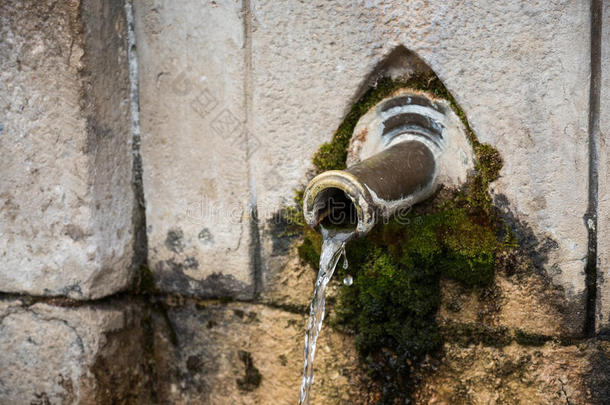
[[72, 355], [195, 146], [65, 186]]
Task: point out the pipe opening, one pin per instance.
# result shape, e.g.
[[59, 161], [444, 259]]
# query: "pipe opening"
[[333, 208]]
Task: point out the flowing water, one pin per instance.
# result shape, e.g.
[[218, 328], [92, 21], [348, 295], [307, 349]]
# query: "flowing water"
[[333, 247]]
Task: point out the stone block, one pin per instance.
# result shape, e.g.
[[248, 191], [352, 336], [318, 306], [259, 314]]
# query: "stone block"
[[238, 353], [548, 374], [195, 146], [65, 192], [67, 355]]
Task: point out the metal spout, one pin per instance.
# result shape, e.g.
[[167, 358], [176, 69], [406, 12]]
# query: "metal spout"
[[401, 151]]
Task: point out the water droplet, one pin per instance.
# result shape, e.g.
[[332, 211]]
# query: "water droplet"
[[348, 280]]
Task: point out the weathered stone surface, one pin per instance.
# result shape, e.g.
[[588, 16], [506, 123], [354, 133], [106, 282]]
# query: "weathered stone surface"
[[61, 355], [65, 191], [248, 354], [240, 353], [519, 70], [603, 208], [516, 300], [292, 284], [551, 374], [195, 145]]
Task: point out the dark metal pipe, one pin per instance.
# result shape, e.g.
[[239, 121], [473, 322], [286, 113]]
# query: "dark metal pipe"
[[397, 172], [356, 197]]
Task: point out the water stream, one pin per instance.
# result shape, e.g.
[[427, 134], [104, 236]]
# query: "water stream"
[[333, 247]]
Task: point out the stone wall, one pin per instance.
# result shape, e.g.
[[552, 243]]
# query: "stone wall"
[[263, 87], [66, 202], [148, 147]]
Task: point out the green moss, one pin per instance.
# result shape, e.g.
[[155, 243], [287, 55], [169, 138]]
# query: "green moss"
[[292, 217], [470, 249], [309, 249], [391, 308], [397, 267]]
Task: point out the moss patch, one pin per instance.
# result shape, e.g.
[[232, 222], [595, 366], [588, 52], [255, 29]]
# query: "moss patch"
[[397, 267]]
